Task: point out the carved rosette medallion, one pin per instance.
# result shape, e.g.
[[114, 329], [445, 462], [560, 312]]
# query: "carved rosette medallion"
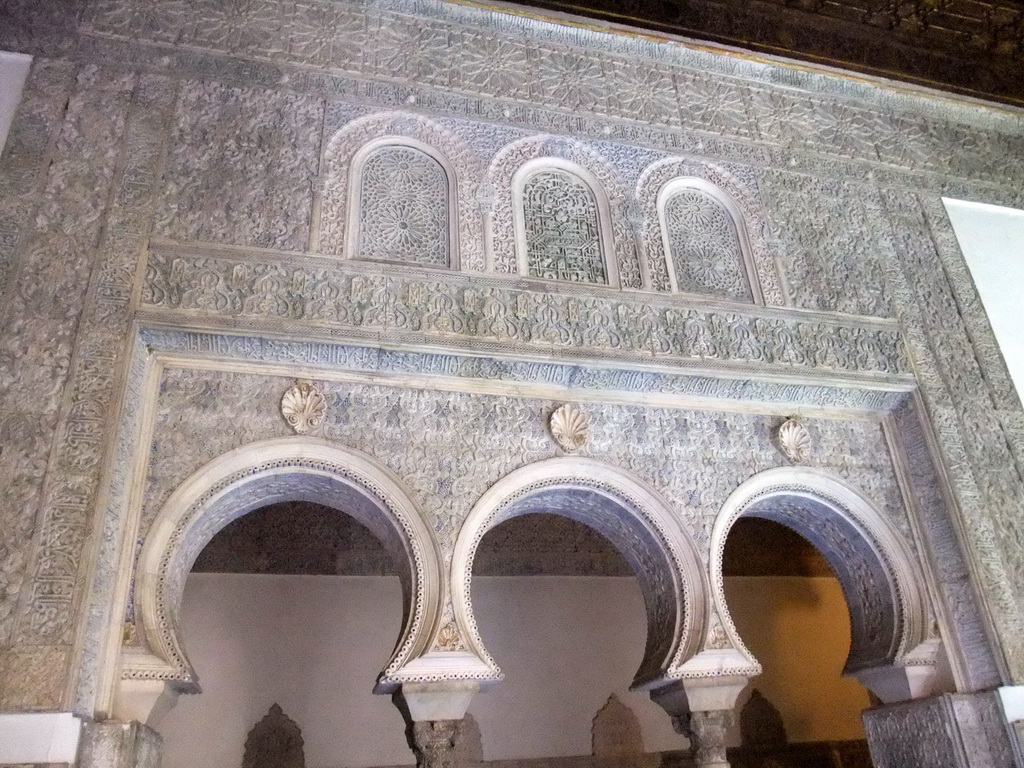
[[794, 440], [569, 425], [303, 407]]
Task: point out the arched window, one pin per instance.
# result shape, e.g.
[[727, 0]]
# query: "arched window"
[[403, 206], [561, 219], [705, 245]]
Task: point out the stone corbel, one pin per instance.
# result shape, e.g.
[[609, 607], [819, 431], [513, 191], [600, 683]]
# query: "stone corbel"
[[425, 702], [893, 684], [144, 701], [916, 676]]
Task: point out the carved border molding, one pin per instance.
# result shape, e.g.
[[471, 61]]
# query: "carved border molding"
[[490, 316], [704, 92]]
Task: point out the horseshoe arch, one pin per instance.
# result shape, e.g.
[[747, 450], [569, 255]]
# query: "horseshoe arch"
[[634, 518]]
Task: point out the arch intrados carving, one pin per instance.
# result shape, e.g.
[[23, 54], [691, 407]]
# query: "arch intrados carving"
[[604, 212], [876, 537], [748, 214], [503, 170], [254, 476], [621, 506], [331, 211]]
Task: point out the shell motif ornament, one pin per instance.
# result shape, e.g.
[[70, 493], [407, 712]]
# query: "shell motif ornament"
[[794, 440], [449, 639], [303, 407], [569, 425]]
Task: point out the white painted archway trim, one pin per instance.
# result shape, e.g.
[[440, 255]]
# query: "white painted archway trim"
[[661, 526], [295, 468], [878, 533]]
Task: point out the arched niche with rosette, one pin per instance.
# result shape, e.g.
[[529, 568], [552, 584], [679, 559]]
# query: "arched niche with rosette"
[[634, 518], [401, 188], [702, 231], [254, 476], [891, 652], [526, 167]]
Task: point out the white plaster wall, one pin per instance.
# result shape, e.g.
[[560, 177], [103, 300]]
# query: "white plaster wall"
[[314, 644], [13, 71], [992, 240], [565, 644], [799, 629]]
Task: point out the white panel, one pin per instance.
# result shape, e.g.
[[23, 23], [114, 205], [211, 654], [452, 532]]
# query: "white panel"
[[992, 240], [43, 737], [13, 71], [1012, 697]]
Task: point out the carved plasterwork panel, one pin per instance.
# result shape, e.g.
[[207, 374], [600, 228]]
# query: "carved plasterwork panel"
[[241, 167], [830, 253], [500, 178], [757, 259], [562, 228], [505, 58], [914, 733], [461, 165], [502, 318], [696, 459], [984, 475], [402, 207], [215, 118]]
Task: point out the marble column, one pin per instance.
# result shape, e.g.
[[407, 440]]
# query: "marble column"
[[434, 743], [433, 714], [702, 710], [708, 732]]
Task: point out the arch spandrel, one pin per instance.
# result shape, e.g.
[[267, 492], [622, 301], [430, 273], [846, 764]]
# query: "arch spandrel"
[[883, 586], [254, 476], [635, 519]]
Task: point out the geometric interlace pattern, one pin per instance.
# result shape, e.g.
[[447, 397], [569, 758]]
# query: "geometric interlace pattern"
[[403, 208], [563, 237], [705, 246]]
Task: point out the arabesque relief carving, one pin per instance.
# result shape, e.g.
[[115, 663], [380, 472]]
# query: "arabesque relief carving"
[[174, 218]]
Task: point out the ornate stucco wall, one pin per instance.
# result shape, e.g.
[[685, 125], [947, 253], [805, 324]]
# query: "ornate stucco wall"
[[173, 242]]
